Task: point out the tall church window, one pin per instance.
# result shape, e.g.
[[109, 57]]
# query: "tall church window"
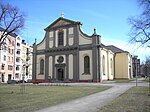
[[86, 64], [42, 66], [103, 63], [60, 38]]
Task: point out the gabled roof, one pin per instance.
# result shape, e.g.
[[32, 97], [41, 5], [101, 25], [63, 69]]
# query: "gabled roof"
[[11, 34], [102, 45], [114, 49], [62, 21]]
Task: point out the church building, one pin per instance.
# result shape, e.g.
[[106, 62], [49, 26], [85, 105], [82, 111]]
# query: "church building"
[[68, 54]]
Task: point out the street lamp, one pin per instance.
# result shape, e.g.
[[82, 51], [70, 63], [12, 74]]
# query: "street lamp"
[[136, 70]]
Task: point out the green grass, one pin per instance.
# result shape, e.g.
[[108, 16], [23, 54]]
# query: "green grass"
[[146, 80], [135, 99], [37, 97], [121, 80]]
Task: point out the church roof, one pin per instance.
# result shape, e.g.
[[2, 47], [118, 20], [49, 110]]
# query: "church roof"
[[114, 49], [62, 21]]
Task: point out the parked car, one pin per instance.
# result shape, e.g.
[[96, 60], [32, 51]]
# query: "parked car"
[[21, 81], [11, 82], [29, 81]]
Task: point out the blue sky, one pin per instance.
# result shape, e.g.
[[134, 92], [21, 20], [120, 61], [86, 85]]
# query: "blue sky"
[[109, 17]]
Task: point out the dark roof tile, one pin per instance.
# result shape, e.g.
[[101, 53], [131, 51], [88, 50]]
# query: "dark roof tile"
[[114, 49]]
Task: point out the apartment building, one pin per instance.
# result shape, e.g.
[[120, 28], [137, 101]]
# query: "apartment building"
[[10, 57], [7, 50], [15, 55], [17, 61], [26, 60]]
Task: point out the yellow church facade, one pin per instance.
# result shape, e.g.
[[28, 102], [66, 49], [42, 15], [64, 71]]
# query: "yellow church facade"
[[68, 54]]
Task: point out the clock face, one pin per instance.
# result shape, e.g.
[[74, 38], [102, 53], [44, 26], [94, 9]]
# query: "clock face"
[[60, 59]]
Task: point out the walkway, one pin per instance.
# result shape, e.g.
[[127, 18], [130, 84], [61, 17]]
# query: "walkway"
[[91, 103]]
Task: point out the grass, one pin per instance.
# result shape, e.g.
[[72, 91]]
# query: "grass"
[[37, 97], [121, 80], [146, 80], [135, 99]]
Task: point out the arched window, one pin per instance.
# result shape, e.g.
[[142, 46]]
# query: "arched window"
[[86, 64], [103, 63], [42, 66], [60, 38]]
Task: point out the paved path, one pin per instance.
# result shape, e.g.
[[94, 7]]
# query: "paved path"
[[91, 103]]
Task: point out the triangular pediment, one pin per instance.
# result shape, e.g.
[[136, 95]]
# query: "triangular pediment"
[[61, 22]]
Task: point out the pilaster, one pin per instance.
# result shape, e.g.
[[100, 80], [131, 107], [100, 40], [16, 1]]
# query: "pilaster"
[[34, 61], [46, 66], [76, 66], [67, 67], [53, 75]]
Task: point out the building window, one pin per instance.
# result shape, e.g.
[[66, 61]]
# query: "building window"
[[42, 66], [17, 59], [86, 64], [5, 48], [16, 76], [4, 58], [8, 58], [9, 50], [10, 67], [103, 63], [9, 42], [17, 68], [18, 44], [60, 38], [12, 51], [18, 52], [3, 65]]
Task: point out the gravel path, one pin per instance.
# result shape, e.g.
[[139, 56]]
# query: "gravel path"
[[91, 103]]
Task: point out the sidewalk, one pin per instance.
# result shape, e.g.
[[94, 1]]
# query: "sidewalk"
[[91, 103]]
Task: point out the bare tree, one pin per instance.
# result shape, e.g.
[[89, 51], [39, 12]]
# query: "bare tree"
[[140, 30], [11, 20]]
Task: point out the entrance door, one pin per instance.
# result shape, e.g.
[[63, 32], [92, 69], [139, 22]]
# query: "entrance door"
[[9, 76], [60, 74], [2, 77]]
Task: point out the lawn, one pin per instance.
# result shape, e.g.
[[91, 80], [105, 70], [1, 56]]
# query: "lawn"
[[122, 80], [37, 97], [135, 99], [146, 80]]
